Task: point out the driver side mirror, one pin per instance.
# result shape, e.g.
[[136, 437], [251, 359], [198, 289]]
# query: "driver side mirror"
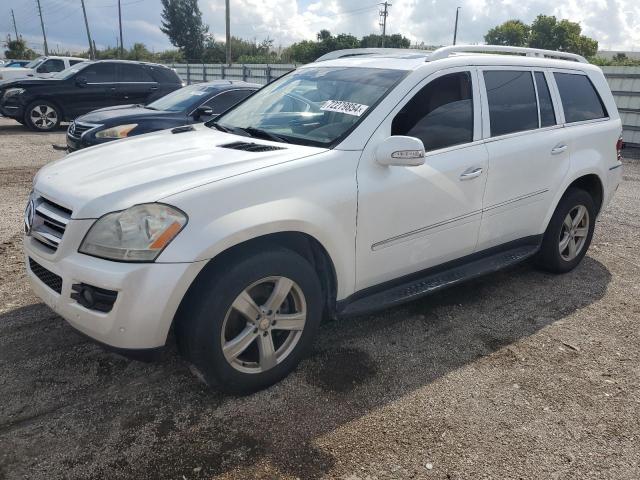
[[81, 81], [203, 111], [400, 151]]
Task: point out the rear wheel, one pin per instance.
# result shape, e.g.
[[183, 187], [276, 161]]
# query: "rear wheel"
[[42, 116], [569, 232], [247, 325]]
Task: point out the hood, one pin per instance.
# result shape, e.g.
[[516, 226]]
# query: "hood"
[[15, 72], [148, 168], [124, 112], [26, 82]]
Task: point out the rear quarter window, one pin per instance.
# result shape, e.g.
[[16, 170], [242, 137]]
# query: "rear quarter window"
[[580, 99]]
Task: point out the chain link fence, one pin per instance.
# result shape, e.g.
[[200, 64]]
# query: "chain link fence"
[[255, 73]]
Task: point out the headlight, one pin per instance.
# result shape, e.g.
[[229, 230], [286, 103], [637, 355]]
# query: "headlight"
[[10, 92], [120, 131], [137, 234]]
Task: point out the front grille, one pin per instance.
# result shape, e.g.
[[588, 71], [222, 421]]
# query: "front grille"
[[50, 279], [251, 147], [76, 129], [48, 222]]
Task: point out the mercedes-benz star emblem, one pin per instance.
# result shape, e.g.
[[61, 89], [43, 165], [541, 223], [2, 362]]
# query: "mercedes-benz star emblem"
[[29, 212]]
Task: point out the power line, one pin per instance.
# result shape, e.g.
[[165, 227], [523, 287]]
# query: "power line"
[[14, 25], [86, 23], [44, 35], [383, 20]]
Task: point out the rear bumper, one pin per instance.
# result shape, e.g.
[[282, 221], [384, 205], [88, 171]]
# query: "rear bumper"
[[614, 178]]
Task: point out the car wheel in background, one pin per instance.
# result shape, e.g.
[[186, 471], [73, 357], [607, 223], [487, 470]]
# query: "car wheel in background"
[[42, 116]]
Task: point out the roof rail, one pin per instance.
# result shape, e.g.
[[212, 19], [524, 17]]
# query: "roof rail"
[[358, 52], [445, 52]]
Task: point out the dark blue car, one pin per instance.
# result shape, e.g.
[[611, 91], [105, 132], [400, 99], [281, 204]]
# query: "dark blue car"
[[192, 104]]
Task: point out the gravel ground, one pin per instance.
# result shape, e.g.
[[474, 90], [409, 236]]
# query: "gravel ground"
[[518, 375]]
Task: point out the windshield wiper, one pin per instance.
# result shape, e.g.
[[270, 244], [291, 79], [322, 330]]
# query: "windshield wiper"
[[257, 132], [219, 127]]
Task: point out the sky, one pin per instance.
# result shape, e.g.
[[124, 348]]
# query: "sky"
[[614, 23]]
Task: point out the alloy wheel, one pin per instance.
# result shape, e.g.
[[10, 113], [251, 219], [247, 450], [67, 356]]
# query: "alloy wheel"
[[574, 232], [43, 117], [263, 324]]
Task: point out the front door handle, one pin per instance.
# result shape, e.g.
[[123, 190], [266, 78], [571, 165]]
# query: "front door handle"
[[559, 149], [471, 173]]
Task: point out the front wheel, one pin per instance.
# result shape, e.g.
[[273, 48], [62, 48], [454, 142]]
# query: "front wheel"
[[569, 232], [247, 325], [42, 116]]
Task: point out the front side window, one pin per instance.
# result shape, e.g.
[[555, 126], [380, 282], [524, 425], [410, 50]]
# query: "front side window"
[[579, 98], [312, 105], [52, 65], [512, 101], [440, 114], [547, 115], [100, 73], [224, 101]]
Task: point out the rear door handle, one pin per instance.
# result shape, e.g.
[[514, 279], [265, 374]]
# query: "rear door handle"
[[559, 149], [471, 173]]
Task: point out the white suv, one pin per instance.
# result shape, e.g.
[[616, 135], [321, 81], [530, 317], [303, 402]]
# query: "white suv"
[[41, 67], [349, 185]]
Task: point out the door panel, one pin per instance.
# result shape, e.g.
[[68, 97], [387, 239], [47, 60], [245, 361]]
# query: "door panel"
[[412, 218], [99, 90], [135, 85], [526, 168]]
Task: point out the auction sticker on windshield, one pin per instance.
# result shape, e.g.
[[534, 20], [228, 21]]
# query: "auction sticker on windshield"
[[347, 108]]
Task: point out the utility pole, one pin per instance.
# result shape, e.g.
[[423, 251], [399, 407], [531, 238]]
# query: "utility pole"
[[455, 29], [14, 25], [228, 23], [120, 20], [86, 24], [383, 20], [44, 35]]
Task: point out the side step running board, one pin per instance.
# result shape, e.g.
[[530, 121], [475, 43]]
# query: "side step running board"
[[433, 282]]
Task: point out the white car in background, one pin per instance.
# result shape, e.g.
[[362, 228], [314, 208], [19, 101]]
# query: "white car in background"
[[349, 185], [41, 67]]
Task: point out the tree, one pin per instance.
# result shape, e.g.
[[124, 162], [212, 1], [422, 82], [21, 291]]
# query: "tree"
[[18, 50], [391, 41], [545, 32], [182, 23], [512, 32]]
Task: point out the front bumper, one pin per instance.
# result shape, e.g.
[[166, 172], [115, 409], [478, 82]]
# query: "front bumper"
[[148, 294], [12, 111]]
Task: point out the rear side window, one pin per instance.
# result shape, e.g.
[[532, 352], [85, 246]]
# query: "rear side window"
[[133, 73], [440, 114], [547, 115], [579, 98], [165, 75], [73, 62], [512, 101], [99, 73], [224, 101]]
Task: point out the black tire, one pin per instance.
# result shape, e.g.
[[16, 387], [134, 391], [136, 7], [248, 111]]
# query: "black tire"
[[48, 120], [200, 321], [550, 258]]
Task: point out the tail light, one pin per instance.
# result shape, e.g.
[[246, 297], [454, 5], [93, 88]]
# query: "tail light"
[[619, 147]]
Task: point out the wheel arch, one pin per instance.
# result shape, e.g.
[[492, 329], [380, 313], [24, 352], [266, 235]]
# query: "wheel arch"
[[301, 243], [589, 181]]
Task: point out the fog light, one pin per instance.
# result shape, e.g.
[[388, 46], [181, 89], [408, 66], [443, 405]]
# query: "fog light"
[[94, 298]]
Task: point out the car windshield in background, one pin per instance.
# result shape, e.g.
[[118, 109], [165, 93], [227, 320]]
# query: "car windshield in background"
[[35, 63], [68, 72], [312, 106], [183, 99]]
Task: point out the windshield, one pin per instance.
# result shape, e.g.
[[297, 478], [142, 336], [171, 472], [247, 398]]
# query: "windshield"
[[68, 72], [186, 98], [36, 62], [312, 106]]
